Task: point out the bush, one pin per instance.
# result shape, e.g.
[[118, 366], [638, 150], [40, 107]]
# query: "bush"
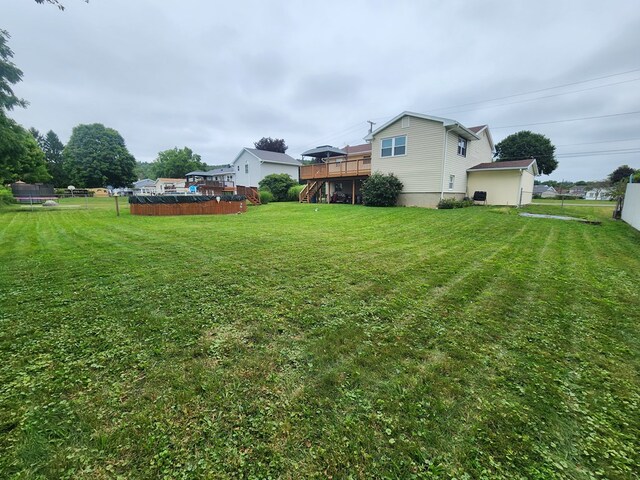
[[266, 196], [447, 203], [278, 184], [6, 197], [293, 195], [381, 190]]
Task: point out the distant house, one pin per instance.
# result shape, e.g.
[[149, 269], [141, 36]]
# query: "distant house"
[[252, 165], [505, 183], [170, 186], [144, 187], [598, 194], [544, 191]]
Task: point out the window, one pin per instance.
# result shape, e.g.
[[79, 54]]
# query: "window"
[[246, 168], [452, 180], [462, 146], [394, 146], [406, 122], [238, 167]]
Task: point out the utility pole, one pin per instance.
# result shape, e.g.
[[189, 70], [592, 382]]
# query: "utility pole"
[[371, 124]]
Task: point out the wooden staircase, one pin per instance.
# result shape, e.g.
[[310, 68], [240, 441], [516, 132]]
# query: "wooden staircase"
[[251, 193], [309, 190], [253, 196]]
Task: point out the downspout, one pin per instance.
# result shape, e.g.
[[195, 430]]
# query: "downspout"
[[520, 189], [444, 156]]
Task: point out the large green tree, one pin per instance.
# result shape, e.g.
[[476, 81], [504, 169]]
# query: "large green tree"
[[9, 76], [271, 144], [526, 144], [52, 148], [20, 156], [176, 163], [621, 173], [96, 156], [144, 170]]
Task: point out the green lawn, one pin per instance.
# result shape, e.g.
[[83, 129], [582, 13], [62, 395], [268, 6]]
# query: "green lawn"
[[302, 341], [576, 201]]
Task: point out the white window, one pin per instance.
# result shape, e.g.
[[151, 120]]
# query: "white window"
[[452, 181], [394, 146], [406, 122], [462, 146], [246, 168]]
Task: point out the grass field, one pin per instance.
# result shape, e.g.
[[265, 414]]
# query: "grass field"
[[577, 201], [339, 341]]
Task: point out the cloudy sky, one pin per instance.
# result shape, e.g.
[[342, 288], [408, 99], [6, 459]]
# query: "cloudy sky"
[[218, 75]]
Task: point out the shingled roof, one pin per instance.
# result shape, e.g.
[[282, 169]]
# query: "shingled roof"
[[508, 165]]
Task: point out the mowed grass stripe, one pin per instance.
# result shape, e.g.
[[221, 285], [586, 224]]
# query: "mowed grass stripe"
[[299, 343]]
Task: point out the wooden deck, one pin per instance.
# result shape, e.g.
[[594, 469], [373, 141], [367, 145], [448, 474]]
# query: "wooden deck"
[[337, 169]]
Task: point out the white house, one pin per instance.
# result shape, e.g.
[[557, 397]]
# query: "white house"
[[598, 194], [144, 187], [252, 165]]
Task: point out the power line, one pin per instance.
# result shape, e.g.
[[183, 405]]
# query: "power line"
[[567, 120], [539, 90], [546, 96], [601, 141]]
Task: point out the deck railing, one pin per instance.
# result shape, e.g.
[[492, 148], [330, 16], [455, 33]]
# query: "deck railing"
[[338, 168]]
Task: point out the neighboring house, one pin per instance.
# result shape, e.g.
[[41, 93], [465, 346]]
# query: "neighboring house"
[[544, 191], [506, 183], [170, 186], [252, 165], [631, 206], [577, 192], [598, 194], [430, 155], [225, 175], [336, 173], [144, 187]]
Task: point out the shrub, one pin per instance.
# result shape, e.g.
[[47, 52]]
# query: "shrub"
[[266, 196], [447, 203], [293, 195], [6, 197], [381, 190], [279, 184]]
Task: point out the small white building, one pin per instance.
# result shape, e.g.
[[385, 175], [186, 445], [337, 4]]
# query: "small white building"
[[598, 194], [252, 165], [631, 206], [506, 183]]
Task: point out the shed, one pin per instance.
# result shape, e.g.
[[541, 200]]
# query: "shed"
[[506, 183]]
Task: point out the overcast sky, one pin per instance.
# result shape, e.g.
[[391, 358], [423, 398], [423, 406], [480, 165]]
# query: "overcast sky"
[[218, 76]]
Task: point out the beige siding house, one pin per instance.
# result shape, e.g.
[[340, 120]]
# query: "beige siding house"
[[505, 183], [430, 155]]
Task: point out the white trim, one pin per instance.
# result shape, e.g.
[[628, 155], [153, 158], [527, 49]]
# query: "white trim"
[[447, 122], [393, 146]]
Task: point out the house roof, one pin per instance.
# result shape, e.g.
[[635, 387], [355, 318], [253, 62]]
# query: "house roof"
[[145, 182], [509, 165], [208, 173], [448, 123], [324, 151], [170, 180], [353, 149], [481, 128], [537, 189], [269, 157]]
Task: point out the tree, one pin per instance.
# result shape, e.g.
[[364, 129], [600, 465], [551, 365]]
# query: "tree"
[[271, 144], [621, 173], [20, 156], [56, 3], [526, 144], [96, 156], [144, 170], [9, 75], [53, 148], [176, 163], [381, 190], [278, 184]]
